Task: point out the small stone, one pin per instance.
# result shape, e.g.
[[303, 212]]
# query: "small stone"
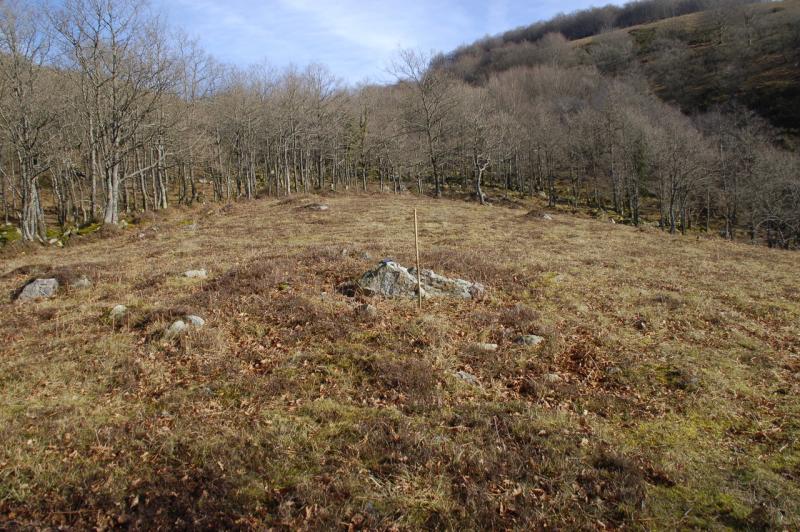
[[489, 348], [195, 274], [177, 328], [529, 340], [195, 321], [467, 377], [118, 312], [547, 217], [552, 378], [366, 256], [38, 289], [52, 241], [82, 283], [367, 311]]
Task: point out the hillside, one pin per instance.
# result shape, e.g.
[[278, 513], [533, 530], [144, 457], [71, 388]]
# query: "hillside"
[[744, 55], [665, 394]]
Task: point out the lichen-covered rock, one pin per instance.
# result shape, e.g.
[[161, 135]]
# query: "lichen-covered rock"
[[118, 312], [486, 348], [179, 327], [195, 321], [195, 274], [82, 283], [38, 289], [393, 280], [529, 340], [469, 378]]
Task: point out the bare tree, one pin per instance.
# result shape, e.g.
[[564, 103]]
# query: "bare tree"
[[26, 107], [429, 106], [123, 68]]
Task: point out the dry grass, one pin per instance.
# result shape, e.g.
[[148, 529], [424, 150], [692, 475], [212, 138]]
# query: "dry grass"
[[665, 395]]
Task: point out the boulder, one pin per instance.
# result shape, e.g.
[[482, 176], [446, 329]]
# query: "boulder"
[[38, 289], [317, 207], [195, 274], [529, 340], [393, 280], [118, 312]]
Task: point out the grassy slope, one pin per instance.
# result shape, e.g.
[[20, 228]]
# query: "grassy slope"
[[769, 83], [288, 410]]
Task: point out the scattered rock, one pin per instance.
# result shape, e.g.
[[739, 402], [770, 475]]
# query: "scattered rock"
[[38, 289], [118, 312], [366, 311], [529, 339], [195, 321], [467, 377], [547, 217], [82, 283], [552, 378], [53, 241], [177, 328], [317, 207], [195, 274], [393, 280], [487, 348]]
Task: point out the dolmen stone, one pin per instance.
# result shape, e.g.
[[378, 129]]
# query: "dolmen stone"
[[391, 279]]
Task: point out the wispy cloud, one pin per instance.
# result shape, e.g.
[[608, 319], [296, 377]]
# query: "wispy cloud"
[[356, 39]]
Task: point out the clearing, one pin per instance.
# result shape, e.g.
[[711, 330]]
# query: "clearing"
[[665, 394]]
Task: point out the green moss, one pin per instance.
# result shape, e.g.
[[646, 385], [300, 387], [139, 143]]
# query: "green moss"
[[9, 233], [88, 229]]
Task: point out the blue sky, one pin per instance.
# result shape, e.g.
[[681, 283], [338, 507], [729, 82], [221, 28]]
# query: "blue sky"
[[356, 39]]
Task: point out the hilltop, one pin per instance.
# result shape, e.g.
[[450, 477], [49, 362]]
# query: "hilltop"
[[665, 393]]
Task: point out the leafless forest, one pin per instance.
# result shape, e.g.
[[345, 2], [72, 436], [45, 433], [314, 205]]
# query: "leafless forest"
[[106, 111]]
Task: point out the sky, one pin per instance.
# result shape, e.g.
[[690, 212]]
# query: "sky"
[[355, 39]]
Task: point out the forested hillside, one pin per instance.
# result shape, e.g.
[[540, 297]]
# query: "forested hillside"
[[699, 54]]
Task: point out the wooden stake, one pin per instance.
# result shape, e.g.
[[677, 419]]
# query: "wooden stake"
[[416, 245]]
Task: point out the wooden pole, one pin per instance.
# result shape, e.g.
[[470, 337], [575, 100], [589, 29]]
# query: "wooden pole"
[[416, 245]]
